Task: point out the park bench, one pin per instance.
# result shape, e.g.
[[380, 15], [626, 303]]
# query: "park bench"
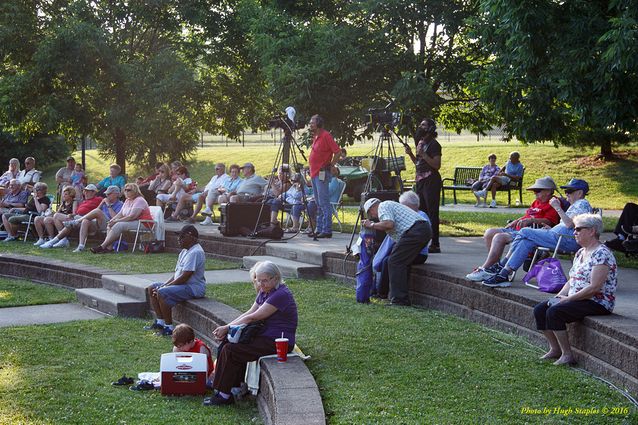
[[464, 177]]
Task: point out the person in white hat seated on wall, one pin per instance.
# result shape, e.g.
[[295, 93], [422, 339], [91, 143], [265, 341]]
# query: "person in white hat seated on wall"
[[411, 234], [539, 214]]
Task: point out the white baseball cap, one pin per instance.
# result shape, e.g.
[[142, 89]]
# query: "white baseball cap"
[[369, 203]]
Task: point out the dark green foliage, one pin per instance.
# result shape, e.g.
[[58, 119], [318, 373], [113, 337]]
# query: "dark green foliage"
[[45, 149], [561, 71]]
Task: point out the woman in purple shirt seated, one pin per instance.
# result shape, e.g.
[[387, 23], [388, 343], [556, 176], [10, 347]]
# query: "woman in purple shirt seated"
[[276, 306]]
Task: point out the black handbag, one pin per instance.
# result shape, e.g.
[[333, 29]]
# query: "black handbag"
[[251, 331]]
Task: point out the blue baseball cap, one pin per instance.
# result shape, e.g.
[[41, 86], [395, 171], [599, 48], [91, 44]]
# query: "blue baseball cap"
[[577, 184]]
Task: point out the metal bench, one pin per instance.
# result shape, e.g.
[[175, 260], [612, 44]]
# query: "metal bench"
[[464, 177]]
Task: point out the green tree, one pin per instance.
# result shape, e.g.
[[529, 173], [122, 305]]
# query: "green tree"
[[340, 58], [564, 72], [141, 77]]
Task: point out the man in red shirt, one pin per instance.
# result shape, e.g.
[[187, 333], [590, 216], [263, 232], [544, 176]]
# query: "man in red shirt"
[[91, 201], [539, 214], [323, 157]]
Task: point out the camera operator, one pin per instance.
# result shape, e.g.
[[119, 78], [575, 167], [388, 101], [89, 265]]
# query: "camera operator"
[[428, 178], [323, 157]]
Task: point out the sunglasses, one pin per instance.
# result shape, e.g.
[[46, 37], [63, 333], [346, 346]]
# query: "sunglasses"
[[578, 229], [127, 189]]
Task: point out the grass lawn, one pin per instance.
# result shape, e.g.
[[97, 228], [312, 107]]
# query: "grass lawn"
[[612, 183], [62, 374], [378, 364], [124, 262], [18, 292]]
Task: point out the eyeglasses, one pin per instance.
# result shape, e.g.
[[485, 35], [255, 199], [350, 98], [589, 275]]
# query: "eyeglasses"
[[578, 229], [128, 189]]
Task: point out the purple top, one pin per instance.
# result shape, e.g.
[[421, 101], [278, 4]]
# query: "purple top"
[[488, 172], [285, 318]]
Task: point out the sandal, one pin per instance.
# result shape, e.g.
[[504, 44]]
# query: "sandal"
[[98, 249], [124, 380], [142, 386]]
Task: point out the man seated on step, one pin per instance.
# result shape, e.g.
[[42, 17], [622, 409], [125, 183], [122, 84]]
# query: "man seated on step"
[[187, 283], [91, 201], [98, 219]]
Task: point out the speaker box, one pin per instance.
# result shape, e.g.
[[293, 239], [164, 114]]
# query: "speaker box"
[[242, 214]]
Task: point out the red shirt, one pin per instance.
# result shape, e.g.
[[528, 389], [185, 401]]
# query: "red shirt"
[[540, 209], [323, 149], [88, 205], [197, 348]]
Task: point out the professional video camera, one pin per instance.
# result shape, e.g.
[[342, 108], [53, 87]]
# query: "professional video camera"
[[286, 121], [382, 117]]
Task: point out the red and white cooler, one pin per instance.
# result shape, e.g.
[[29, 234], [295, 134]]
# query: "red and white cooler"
[[183, 373]]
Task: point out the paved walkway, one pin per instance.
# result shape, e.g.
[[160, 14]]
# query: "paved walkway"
[[47, 313]]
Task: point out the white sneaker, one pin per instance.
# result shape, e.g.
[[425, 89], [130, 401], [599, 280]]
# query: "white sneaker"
[[480, 193], [10, 238], [64, 243], [48, 244], [207, 212], [80, 248], [207, 222], [479, 275], [493, 203], [39, 242]]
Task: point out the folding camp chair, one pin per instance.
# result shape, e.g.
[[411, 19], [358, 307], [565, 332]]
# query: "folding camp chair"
[[154, 227]]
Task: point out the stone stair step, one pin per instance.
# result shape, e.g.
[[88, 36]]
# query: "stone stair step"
[[132, 286], [112, 303], [289, 268]]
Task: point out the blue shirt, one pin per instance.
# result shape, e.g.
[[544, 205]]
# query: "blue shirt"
[[514, 169], [117, 206], [193, 260], [20, 198], [118, 181]]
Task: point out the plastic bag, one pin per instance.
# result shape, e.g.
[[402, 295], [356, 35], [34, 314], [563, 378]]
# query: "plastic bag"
[[364, 275], [549, 275]]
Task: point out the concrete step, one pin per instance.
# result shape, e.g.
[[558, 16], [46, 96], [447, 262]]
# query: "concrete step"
[[289, 268], [305, 250], [112, 303], [132, 286]]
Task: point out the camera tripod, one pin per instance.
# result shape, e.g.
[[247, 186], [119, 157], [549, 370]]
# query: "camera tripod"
[[288, 150], [385, 145]]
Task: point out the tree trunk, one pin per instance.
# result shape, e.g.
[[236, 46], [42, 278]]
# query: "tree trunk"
[[120, 149], [605, 150]]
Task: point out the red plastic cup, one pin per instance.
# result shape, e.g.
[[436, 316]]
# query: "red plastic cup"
[[282, 349]]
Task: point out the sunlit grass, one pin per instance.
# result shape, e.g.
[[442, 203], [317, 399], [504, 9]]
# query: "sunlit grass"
[[19, 292]]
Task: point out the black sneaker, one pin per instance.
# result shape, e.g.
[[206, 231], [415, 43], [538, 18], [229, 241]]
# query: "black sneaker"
[[630, 245], [616, 245], [494, 268], [497, 281], [218, 400], [153, 327]]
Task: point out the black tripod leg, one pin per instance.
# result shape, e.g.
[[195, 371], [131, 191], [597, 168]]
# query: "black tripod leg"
[[354, 232]]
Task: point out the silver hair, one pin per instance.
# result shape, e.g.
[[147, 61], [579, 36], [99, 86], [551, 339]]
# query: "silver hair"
[[269, 268], [593, 221], [409, 198], [15, 161], [40, 185]]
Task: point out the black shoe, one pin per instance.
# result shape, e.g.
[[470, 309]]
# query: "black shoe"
[[434, 249], [217, 400], [616, 245], [124, 380], [630, 245], [153, 327], [400, 302], [324, 235], [312, 234], [142, 386]]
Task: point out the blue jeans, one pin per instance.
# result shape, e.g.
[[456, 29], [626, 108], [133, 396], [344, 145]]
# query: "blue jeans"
[[529, 239], [277, 205], [324, 208]]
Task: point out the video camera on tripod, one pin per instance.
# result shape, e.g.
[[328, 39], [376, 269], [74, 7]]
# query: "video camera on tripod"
[[287, 121]]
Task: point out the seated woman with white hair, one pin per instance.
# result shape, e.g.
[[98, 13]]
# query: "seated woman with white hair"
[[276, 307], [11, 173], [590, 290]]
